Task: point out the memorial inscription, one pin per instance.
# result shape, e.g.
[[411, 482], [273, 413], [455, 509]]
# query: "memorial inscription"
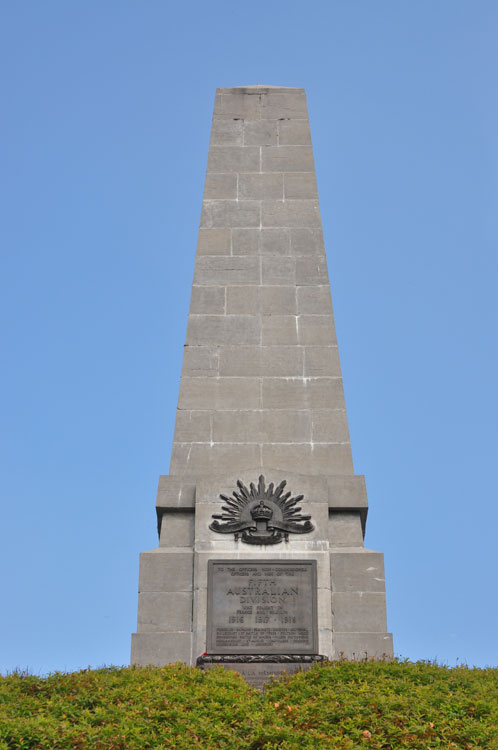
[[262, 607]]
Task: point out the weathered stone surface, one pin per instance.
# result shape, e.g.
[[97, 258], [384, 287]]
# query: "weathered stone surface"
[[299, 185], [261, 186], [214, 241], [200, 361], [177, 529], [233, 159], [231, 213], [212, 270], [294, 133], [260, 133], [303, 393], [289, 213], [220, 185], [158, 649], [226, 132], [219, 393], [245, 240], [275, 241], [170, 570], [160, 611], [222, 329], [314, 300], [357, 571], [321, 360], [208, 300], [345, 529], [359, 611]]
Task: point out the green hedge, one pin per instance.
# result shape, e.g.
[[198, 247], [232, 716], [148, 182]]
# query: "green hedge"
[[337, 705]]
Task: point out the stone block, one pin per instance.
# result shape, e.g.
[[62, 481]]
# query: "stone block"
[[207, 300], [174, 493], [359, 611], [241, 426], [220, 185], [321, 361], [219, 393], [291, 105], [278, 300], [162, 570], [261, 186], [215, 241], [160, 611], [283, 361], [193, 459], [222, 329], [330, 426], [192, 426], [314, 300], [345, 529], [316, 330], [177, 529], [286, 425], [245, 241], [347, 492], [303, 393], [311, 271], [237, 105], [277, 271], [317, 459], [244, 300], [200, 361], [279, 329], [294, 133], [221, 213], [287, 159], [299, 185], [233, 159], [227, 132], [332, 458], [307, 241], [275, 241], [212, 270], [159, 649], [289, 213], [357, 571], [260, 133], [240, 360], [360, 646]]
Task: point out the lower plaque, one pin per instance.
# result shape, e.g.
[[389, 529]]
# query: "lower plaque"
[[262, 607]]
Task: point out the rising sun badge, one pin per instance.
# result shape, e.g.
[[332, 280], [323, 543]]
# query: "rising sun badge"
[[261, 516]]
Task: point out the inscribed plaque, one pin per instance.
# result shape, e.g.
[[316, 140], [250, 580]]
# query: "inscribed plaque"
[[263, 607]]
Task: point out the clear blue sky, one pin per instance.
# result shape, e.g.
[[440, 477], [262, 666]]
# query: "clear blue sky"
[[106, 111]]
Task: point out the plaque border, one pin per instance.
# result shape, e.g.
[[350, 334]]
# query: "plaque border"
[[210, 649]]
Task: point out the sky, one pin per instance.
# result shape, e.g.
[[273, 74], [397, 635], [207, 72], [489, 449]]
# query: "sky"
[[106, 113]]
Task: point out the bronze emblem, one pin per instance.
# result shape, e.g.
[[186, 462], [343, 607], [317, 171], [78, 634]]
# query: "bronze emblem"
[[261, 516]]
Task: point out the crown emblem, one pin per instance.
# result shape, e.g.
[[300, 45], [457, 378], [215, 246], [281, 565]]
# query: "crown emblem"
[[260, 515], [261, 512]]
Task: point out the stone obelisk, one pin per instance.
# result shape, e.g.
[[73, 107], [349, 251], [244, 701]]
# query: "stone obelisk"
[[260, 394]]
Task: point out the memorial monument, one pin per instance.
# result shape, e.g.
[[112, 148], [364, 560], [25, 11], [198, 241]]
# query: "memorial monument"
[[261, 564]]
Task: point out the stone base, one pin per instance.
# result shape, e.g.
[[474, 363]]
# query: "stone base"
[[257, 670], [158, 649], [363, 646]]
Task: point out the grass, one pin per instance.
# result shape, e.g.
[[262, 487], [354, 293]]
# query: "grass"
[[368, 705]]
